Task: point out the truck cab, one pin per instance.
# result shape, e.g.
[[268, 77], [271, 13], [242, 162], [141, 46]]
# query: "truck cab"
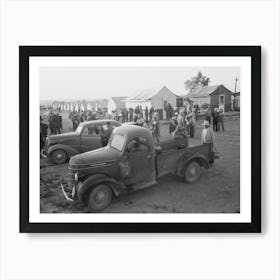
[[132, 161]]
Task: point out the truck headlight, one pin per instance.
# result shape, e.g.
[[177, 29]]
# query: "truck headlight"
[[76, 177]]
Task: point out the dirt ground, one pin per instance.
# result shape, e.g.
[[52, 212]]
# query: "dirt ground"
[[217, 191]]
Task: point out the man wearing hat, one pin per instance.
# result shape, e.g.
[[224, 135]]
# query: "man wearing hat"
[[173, 124], [207, 135]]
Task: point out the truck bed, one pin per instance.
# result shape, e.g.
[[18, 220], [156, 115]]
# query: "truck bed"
[[168, 159]]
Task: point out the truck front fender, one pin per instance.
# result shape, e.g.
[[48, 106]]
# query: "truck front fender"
[[185, 160], [117, 187], [68, 149]]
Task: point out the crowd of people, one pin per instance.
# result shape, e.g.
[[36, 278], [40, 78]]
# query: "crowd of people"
[[82, 116], [51, 125], [132, 115], [182, 122], [216, 116]]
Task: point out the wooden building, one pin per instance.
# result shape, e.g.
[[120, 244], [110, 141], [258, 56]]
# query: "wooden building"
[[217, 95]]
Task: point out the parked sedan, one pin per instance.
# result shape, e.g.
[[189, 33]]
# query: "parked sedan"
[[87, 137]]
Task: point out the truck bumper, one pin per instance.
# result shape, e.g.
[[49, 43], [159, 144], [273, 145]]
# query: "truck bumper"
[[66, 193], [69, 189]]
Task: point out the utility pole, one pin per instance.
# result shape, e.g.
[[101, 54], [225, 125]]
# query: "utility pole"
[[235, 85], [234, 103]]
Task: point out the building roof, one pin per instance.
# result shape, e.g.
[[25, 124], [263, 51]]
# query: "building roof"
[[119, 101], [202, 91], [146, 94]]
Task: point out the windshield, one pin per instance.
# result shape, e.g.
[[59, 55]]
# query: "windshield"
[[79, 129], [118, 142]]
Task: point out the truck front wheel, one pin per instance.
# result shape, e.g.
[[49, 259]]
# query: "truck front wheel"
[[99, 197], [193, 172]]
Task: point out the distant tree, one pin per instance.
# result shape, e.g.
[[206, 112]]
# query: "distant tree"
[[198, 80]]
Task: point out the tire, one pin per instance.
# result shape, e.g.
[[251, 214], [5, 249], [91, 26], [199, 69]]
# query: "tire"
[[99, 197], [59, 156], [192, 172]]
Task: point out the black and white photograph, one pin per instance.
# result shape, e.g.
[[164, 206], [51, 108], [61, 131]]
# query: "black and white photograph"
[[146, 135], [140, 139]]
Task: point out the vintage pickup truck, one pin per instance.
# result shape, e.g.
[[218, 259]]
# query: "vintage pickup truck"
[[86, 137], [129, 162]]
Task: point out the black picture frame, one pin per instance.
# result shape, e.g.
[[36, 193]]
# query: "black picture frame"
[[25, 52]]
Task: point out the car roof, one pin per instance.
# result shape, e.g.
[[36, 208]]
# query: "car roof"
[[131, 131], [100, 122]]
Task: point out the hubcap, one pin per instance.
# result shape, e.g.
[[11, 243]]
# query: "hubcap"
[[59, 156], [192, 172], [101, 196]]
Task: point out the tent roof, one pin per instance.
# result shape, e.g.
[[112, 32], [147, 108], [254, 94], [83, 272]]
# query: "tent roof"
[[146, 94], [119, 100]]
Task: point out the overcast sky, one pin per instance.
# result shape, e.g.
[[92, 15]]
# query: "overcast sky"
[[62, 83]]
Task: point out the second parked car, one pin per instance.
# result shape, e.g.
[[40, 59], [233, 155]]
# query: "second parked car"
[[87, 137]]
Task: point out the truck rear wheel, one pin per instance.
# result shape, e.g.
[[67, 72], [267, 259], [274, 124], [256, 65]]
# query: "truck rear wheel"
[[193, 172], [99, 197], [59, 156]]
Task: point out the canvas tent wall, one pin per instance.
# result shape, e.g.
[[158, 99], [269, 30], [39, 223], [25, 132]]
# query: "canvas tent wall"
[[153, 97], [116, 104]]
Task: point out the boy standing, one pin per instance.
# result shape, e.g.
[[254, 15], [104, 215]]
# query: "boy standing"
[[207, 135]]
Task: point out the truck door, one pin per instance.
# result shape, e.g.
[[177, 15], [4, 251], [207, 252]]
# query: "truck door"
[[141, 161]]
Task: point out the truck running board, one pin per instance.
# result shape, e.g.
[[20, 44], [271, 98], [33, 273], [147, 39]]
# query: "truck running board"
[[142, 185]]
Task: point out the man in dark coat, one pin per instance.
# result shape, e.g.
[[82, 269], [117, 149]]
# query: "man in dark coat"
[[106, 134], [173, 124], [215, 116], [146, 114], [43, 135], [151, 113], [130, 114]]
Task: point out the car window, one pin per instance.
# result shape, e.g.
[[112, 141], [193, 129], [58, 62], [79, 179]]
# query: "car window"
[[91, 131], [137, 145], [79, 129]]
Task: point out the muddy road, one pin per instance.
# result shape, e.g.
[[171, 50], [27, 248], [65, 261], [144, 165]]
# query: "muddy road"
[[217, 191]]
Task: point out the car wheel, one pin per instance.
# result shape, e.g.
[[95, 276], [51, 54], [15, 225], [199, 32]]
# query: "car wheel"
[[59, 156], [193, 172], [99, 197]]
